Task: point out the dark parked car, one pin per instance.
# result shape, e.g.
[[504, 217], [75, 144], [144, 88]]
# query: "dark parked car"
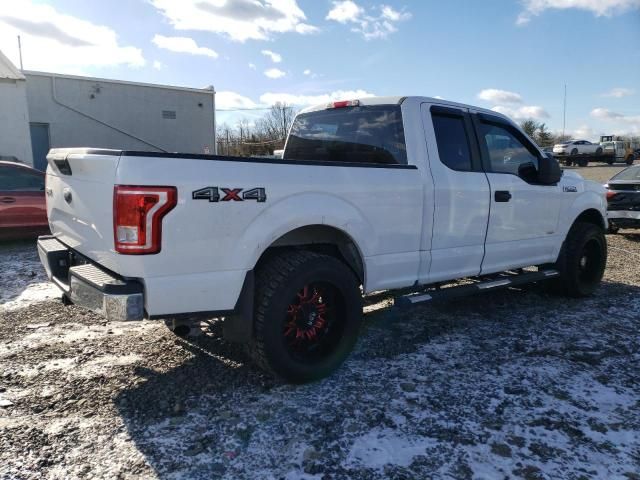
[[23, 211], [623, 199]]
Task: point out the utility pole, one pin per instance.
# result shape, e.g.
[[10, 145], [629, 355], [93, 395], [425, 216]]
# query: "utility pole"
[[20, 53], [564, 112]]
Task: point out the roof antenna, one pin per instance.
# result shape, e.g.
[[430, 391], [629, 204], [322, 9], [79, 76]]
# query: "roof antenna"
[[20, 53]]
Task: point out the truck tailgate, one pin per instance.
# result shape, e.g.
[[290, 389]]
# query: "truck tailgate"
[[79, 192]]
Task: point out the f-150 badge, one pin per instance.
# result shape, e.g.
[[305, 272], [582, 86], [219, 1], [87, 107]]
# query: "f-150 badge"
[[220, 194], [570, 188]]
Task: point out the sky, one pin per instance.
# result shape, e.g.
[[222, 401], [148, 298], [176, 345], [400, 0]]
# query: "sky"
[[514, 56]]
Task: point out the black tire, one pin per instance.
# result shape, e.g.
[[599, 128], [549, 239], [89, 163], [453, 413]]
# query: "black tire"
[[611, 161], [583, 162], [568, 162], [599, 151], [613, 229], [582, 260], [304, 293], [574, 152]]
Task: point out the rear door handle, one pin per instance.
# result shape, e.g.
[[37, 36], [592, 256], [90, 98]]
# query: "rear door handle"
[[502, 196], [7, 200]]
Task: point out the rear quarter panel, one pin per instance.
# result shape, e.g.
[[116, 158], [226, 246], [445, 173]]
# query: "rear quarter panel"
[[379, 208]]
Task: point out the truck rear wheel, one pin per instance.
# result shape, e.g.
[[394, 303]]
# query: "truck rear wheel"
[[582, 260], [583, 162], [308, 312]]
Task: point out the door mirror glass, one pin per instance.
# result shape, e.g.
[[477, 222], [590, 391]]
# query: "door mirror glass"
[[549, 171]]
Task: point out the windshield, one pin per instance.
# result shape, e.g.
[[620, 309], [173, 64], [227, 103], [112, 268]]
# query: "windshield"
[[631, 173], [369, 134]]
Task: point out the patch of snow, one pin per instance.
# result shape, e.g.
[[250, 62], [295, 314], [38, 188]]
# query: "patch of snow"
[[380, 447], [24, 279]]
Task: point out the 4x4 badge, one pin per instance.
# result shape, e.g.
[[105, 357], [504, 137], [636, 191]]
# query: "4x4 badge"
[[212, 194]]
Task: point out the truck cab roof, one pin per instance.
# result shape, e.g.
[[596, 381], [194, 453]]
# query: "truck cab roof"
[[399, 100]]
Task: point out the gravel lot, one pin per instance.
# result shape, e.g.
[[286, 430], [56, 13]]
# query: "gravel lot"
[[514, 384]]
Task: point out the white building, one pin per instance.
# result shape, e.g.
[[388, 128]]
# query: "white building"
[[15, 141], [49, 110]]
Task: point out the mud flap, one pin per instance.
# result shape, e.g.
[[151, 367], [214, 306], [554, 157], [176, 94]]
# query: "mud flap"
[[239, 326]]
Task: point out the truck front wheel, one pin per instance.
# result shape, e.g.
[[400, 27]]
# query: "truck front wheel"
[[308, 312], [582, 260]]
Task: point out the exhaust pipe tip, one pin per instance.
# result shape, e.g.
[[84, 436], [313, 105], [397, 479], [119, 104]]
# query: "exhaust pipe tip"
[[183, 328]]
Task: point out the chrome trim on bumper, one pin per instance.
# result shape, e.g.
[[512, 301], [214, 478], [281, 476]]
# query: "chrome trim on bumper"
[[89, 285], [113, 307], [627, 214]]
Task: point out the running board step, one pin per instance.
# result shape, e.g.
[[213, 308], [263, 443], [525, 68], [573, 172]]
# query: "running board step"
[[473, 288]]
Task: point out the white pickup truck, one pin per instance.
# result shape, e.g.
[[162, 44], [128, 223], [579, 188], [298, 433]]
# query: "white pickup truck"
[[372, 194]]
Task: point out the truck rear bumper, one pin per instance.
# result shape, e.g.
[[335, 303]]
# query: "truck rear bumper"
[[89, 285]]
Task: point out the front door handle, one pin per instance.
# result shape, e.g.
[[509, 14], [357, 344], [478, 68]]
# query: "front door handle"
[[502, 196], [7, 200]]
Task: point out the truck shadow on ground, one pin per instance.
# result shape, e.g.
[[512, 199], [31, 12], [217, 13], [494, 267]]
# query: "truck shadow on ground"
[[205, 417]]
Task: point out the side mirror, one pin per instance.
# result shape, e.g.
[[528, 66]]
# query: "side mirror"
[[549, 171]]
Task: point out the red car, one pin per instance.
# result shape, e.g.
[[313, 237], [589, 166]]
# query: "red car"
[[23, 210]]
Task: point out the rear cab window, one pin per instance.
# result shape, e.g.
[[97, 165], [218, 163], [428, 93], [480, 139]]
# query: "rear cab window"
[[452, 140], [371, 134]]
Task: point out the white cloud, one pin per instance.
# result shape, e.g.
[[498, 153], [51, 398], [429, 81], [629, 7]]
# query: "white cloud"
[[499, 96], [231, 100], [158, 65], [621, 124], [183, 45], [275, 57], [54, 41], [605, 114], [240, 20], [252, 66], [303, 100], [512, 109], [619, 92], [345, 11], [522, 113], [370, 26], [274, 73], [307, 72], [583, 132], [621, 118], [228, 100], [533, 8]]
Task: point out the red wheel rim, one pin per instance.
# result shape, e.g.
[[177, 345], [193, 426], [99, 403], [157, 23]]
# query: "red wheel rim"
[[314, 322]]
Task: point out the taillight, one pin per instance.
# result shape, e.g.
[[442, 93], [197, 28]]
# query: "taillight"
[[137, 217], [611, 194]]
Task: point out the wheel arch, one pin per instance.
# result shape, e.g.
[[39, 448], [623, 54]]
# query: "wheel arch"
[[321, 238], [591, 215]]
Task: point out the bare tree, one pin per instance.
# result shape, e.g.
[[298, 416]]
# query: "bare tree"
[[256, 138], [276, 123]]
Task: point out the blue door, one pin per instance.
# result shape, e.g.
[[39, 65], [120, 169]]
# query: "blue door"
[[39, 144]]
